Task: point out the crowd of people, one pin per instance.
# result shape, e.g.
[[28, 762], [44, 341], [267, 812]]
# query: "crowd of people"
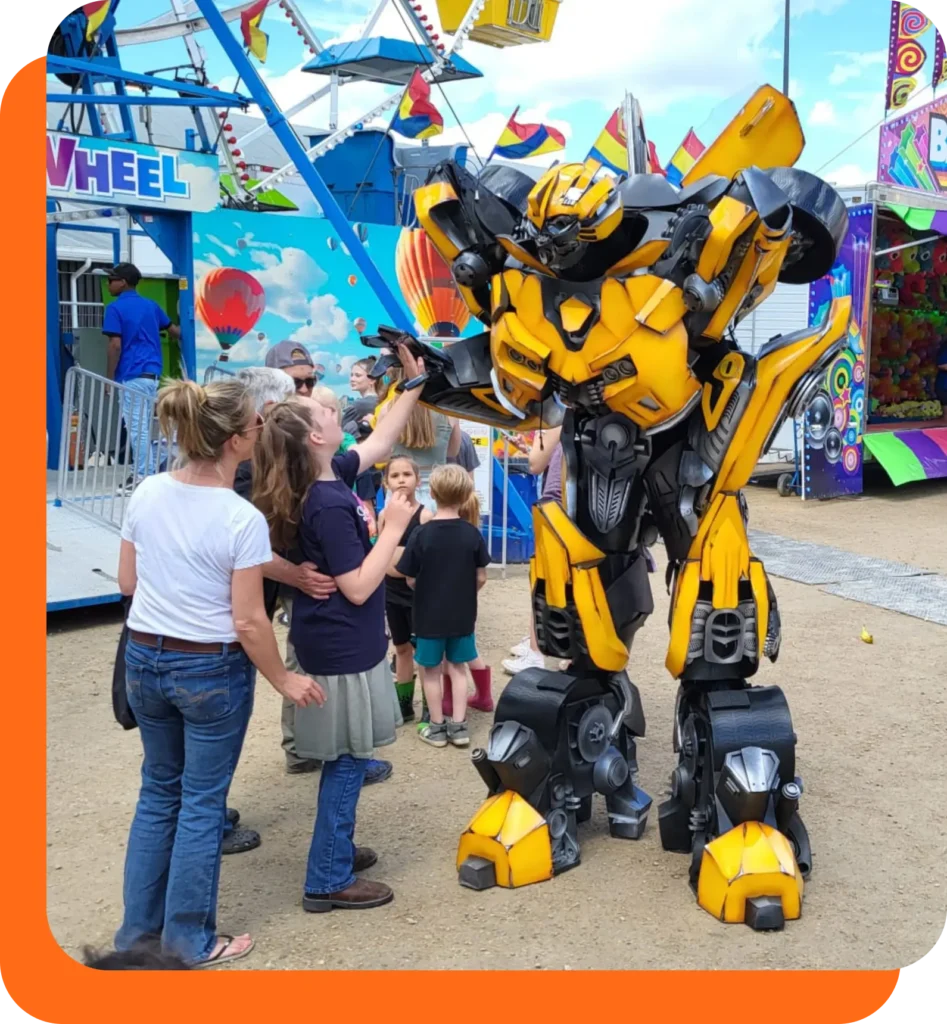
[[272, 503]]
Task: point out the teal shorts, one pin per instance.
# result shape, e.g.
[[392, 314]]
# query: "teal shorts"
[[456, 649]]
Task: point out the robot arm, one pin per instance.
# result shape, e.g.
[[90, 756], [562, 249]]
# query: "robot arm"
[[458, 381]]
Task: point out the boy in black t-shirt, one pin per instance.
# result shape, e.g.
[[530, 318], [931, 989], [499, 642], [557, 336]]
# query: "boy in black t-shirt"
[[445, 561]]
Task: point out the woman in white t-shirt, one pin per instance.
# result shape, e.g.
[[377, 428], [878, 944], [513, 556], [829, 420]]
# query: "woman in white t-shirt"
[[192, 555]]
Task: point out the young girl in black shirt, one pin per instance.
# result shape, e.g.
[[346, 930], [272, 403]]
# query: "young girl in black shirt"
[[402, 476], [446, 562]]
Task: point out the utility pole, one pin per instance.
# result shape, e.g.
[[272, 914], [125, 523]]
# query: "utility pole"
[[786, 50]]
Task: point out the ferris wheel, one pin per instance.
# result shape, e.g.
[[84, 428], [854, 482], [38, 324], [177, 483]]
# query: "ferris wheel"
[[437, 30]]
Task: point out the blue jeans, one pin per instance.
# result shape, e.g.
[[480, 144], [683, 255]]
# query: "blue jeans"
[[137, 413], [192, 712], [332, 853]]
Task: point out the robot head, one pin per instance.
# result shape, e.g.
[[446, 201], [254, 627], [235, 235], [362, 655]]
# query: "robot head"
[[571, 206]]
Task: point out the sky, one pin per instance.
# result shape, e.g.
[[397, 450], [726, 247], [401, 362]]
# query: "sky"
[[691, 63]]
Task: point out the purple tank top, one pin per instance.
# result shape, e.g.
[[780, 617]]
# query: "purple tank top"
[[552, 485]]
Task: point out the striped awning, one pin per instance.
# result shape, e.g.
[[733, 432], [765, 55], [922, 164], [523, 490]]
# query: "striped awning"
[[921, 220]]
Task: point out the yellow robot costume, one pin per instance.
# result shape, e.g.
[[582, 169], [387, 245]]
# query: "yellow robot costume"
[[610, 306]]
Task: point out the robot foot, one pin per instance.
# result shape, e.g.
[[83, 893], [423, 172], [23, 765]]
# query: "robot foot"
[[627, 811], [750, 875], [507, 843]]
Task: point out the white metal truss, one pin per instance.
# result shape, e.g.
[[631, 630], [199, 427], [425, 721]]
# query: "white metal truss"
[[440, 58], [184, 21]]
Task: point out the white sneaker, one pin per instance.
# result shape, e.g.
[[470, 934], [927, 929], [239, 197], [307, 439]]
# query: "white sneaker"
[[520, 649], [531, 659]]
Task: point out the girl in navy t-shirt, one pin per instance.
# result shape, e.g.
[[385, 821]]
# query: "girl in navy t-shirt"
[[305, 491]]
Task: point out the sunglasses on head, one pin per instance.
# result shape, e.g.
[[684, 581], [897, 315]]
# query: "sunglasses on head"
[[304, 382]]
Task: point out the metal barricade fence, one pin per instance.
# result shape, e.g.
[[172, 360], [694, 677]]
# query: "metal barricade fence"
[[109, 443], [216, 371]]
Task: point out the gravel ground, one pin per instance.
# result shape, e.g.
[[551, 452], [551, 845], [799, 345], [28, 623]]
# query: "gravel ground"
[[870, 721]]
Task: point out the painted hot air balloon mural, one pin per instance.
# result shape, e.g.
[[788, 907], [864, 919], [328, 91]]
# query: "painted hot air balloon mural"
[[428, 286], [230, 302]]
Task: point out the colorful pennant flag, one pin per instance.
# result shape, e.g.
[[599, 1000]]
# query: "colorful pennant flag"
[[940, 61], [520, 141], [906, 56], [610, 149], [254, 38], [684, 159], [416, 116], [95, 14]]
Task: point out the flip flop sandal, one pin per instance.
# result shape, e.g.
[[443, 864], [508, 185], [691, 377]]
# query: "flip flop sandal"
[[223, 957], [240, 840]]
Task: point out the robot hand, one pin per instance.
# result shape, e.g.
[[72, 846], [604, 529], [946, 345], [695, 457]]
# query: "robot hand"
[[399, 348]]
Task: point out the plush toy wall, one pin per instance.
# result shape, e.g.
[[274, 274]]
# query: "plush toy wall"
[[905, 338]]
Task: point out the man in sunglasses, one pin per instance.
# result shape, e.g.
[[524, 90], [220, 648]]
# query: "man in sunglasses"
[[293, 358]]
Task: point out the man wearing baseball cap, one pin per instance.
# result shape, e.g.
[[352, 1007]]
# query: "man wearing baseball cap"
[[293, 358], [133, 326]]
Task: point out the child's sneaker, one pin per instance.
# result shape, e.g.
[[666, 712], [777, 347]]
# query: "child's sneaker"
[[434, 733], [457, 734], [531, 659]]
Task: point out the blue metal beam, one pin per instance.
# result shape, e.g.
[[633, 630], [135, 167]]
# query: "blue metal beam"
[[130, 101], [282, 129], [53, 351], [105, 69]]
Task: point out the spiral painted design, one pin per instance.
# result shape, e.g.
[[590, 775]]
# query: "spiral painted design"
[[911, 57], [859, 373], [901, 89], [840, 376], [913, 23], [840, 415], [851, 459]]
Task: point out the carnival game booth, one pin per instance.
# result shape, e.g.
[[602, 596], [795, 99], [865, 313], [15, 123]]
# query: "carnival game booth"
[[907, 422], [879, 402]]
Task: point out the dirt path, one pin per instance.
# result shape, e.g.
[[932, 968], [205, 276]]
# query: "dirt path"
[[870, 721]]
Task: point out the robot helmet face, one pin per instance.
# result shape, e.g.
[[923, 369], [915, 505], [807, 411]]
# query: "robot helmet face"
[[571, 206]]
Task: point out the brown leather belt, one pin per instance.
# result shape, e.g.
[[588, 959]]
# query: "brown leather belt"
[[169, 643]]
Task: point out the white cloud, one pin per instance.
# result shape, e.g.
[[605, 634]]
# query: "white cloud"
[[715, 58], [228, 249], [264, 259], [823, 114], [213, 259], [855, 64], [848, 175], [288, 281], [329, 322]]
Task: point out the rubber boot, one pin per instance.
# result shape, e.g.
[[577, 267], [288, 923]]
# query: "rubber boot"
[[482, 700], [447, 700], [405, 693]]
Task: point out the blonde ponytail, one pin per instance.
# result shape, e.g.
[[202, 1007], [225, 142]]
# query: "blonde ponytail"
[[203, 418]]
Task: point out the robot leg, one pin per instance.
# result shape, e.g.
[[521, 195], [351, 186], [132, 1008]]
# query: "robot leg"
[[734, 793], [557, 739]]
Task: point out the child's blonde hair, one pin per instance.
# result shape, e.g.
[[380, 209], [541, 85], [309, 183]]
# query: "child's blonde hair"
[[451, 486], [328, 399], [470, 510]]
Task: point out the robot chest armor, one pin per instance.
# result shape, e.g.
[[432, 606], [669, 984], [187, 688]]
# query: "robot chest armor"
[[612, 343]]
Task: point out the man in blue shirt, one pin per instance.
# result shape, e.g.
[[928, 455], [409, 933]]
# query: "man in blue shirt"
[[133, 325]]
